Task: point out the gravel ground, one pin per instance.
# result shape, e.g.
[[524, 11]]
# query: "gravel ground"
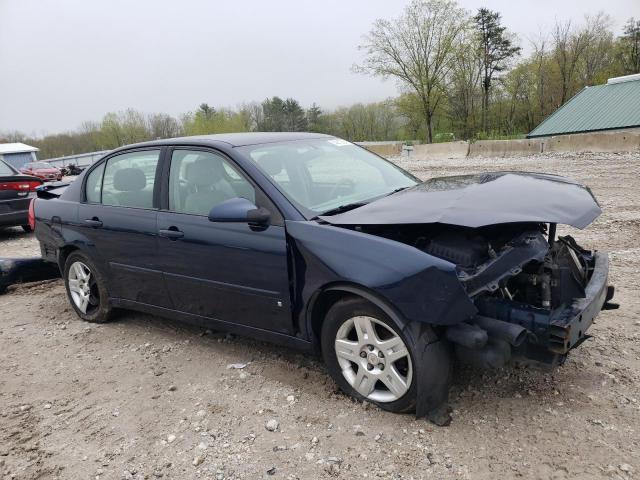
[[144, 397]]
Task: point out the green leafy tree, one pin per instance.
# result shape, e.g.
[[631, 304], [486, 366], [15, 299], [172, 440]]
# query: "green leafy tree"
[[282, 115], [496, 49], [294, 116], [313, 115], [272, 115]]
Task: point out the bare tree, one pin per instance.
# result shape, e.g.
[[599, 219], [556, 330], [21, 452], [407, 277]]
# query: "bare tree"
[[630, 47], [541, 72], [569, 47], [162, 125], [417, 49], [599, 47], [464, 84]]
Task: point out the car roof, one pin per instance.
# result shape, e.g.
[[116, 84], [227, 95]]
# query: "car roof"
[[233, 139]]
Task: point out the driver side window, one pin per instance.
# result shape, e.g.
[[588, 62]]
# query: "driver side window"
[[200, 180]]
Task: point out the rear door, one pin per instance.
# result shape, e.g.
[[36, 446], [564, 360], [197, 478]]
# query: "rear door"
[[119, 216], [224, 271]]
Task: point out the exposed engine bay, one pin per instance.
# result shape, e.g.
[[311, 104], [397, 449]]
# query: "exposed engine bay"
[[512, 261], [524, 281]]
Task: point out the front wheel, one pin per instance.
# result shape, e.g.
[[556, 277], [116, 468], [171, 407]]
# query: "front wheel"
[[86, 289], [368, 355]]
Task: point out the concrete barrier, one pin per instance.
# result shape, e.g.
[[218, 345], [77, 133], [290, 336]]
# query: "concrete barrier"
[[620, 141], [628, 141], [505, 148], [441, 150]]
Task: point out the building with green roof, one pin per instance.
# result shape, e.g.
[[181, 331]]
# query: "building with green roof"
[[612, 106]]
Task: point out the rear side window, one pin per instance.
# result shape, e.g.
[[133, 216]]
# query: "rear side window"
[[129, 179], [94, 184]]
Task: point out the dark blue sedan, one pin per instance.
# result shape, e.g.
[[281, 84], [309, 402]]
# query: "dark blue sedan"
[[313, 242]]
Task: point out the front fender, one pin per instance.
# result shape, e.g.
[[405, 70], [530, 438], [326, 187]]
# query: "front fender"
[[419, 286]]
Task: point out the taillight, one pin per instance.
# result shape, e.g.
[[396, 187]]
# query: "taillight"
[[32, 214], [20, 186]]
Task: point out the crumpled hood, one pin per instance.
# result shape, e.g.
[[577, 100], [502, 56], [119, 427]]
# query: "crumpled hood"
[[480, 200]]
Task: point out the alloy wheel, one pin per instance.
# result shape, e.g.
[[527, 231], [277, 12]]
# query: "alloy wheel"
[[374, 359], [83, 287]]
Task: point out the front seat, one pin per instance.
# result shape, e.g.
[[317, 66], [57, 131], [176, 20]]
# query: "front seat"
[[130, 184], [296, 187], [209, 187]]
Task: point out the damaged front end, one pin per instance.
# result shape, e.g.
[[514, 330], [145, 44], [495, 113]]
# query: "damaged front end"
[[536, 295], [550, 289]]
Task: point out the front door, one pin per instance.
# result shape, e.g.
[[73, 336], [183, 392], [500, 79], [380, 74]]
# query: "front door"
[[225, 271]]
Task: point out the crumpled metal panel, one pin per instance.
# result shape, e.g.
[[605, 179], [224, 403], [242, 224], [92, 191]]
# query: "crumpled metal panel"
[[481, 200]]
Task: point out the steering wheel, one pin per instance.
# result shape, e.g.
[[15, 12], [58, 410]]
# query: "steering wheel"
[[342, 182]]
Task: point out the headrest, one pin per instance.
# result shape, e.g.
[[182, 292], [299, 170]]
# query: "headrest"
[[201, 172], [271, 163], [129, 180]]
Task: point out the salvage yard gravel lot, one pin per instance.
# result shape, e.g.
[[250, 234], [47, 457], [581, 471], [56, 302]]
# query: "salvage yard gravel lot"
[[144, 397]]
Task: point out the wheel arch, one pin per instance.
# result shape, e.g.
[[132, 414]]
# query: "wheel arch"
[[327, 296], [63, 254]]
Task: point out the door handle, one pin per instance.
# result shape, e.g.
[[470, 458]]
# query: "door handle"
[[94, 222], [172, 233]]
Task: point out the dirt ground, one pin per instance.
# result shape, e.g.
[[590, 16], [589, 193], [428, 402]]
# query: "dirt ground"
[[145, 397]]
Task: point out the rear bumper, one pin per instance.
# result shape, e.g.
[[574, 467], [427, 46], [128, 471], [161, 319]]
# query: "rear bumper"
[[552, 333], [14, 218], [15, 211]]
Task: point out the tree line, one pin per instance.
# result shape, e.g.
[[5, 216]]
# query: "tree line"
[[465, 74], [461, 76]]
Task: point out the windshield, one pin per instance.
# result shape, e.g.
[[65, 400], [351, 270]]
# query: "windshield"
[[320, 175]]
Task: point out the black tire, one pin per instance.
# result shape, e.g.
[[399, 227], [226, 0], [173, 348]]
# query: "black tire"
[[100, 311], [27, 228], [340, 313]]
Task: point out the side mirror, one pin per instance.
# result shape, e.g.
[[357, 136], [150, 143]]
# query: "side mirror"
[[239, 210]]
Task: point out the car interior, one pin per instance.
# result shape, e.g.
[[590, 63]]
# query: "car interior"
[[199, 180], [314, 177], [129, 179]]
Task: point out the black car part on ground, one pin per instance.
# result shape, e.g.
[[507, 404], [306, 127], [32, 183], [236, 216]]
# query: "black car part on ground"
[[21, 270]]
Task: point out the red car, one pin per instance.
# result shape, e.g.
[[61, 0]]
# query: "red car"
[[42, 170]]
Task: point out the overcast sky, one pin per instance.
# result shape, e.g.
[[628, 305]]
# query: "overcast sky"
[[66, 61]]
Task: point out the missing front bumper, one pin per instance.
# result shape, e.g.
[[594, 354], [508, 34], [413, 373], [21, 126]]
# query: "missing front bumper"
[[552, 333]]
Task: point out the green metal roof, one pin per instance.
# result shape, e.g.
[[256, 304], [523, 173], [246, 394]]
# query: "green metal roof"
[[602, 107]]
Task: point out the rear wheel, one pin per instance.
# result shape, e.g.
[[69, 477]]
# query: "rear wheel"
[[86, 289], [368, 355], [27, 228]]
